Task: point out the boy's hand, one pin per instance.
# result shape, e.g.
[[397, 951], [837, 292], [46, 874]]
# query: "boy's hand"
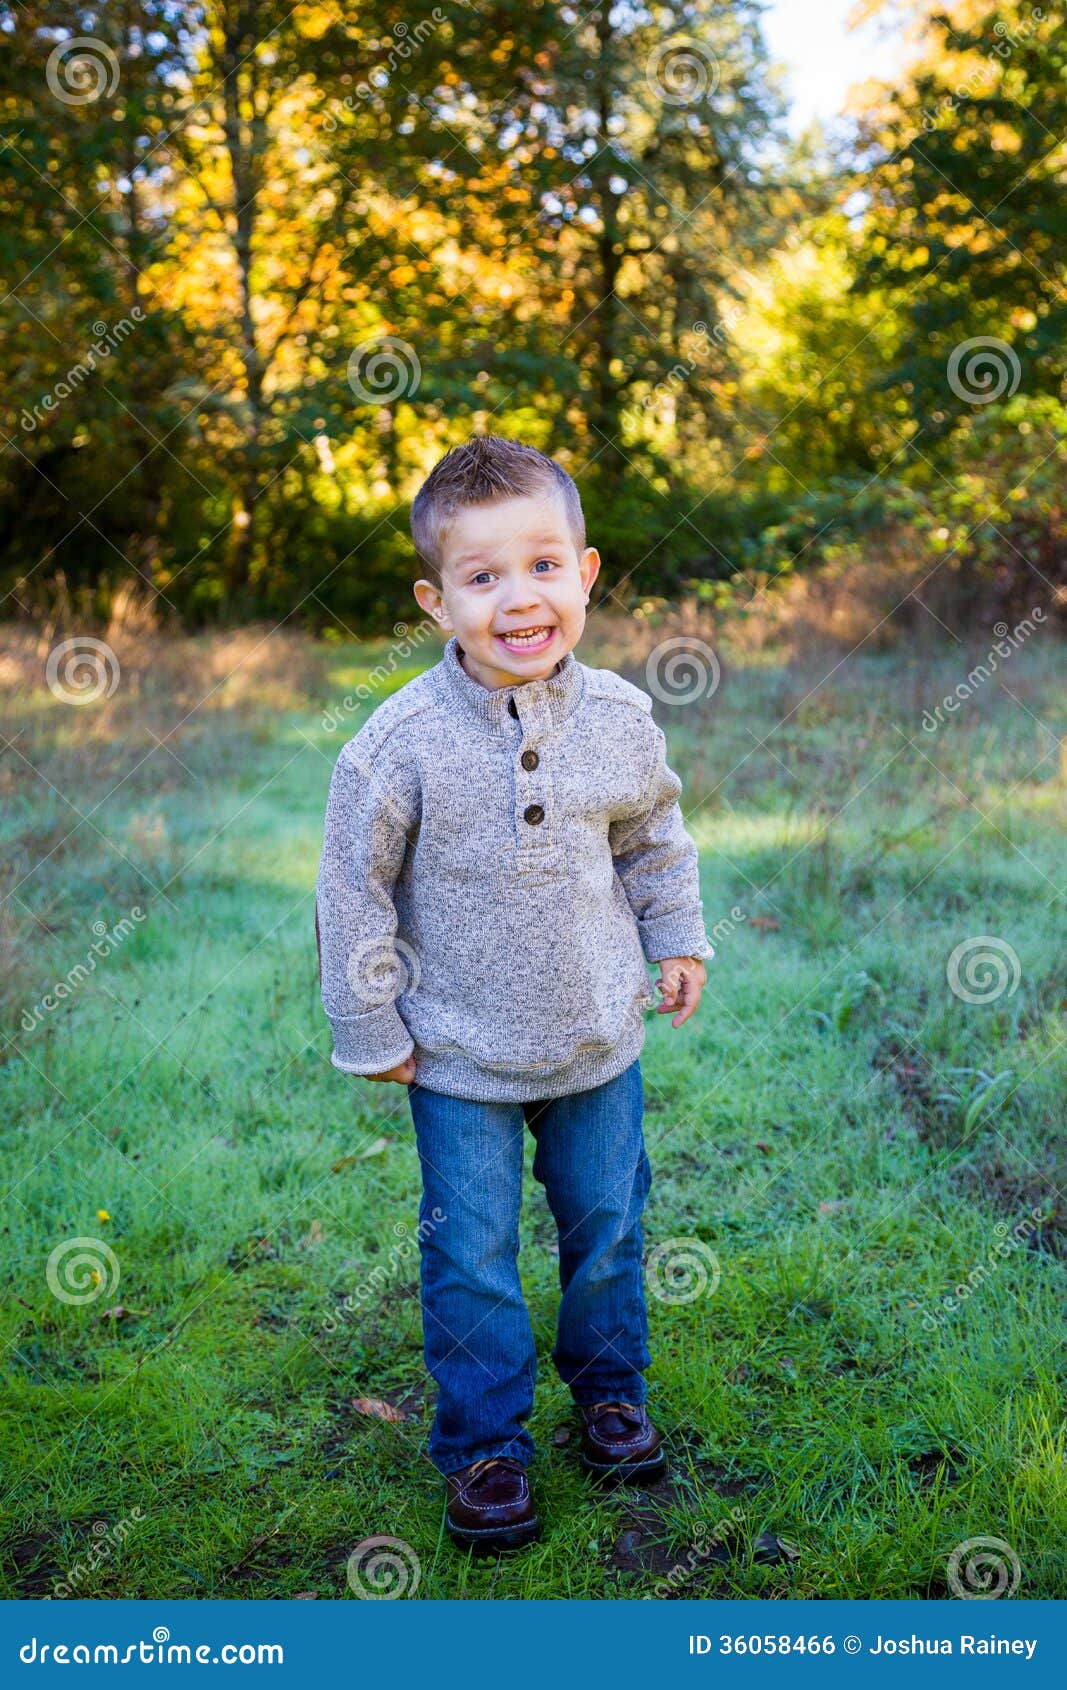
[[404, 1074], [682, 979]]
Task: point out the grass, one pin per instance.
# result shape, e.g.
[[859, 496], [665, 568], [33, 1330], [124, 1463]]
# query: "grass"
[[844, 1137]]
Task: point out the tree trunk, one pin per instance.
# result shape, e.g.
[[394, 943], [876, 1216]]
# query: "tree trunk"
[[245, 143], [605, 412]]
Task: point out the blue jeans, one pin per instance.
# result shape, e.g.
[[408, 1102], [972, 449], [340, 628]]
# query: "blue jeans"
[[590, 1157]]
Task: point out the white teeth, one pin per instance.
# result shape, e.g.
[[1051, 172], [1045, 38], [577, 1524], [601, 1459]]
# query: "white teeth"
[[528, 637]]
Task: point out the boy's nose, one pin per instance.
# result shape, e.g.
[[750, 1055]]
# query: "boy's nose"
[[517, 604]]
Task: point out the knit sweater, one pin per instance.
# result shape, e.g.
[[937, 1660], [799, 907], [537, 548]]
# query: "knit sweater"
[[497, 866]]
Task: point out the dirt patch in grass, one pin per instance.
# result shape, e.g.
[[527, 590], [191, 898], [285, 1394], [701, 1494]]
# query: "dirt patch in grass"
[[914, 1079], [651, 1541], [39, 1560], [642, 1549], [31, 1563], [1028, 1198], [934, 1466], [652, 1546]]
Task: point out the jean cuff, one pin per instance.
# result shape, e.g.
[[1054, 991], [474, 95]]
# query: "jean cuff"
[[586, 1395]]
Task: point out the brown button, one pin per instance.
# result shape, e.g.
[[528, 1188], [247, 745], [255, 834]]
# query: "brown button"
[[533, 813], [511, 707], [529, 759]]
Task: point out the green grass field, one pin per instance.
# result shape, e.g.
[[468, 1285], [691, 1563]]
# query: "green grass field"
[[868, 1167]]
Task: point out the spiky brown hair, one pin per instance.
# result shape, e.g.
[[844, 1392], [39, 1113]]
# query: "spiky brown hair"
[[485, 469]]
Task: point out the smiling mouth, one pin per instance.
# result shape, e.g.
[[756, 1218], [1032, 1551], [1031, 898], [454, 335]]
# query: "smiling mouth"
[[526, 639]]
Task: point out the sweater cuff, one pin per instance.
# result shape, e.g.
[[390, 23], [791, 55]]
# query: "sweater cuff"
[[681, 933], [371, 1043]]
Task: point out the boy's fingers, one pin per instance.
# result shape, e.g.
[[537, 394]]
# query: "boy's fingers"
[[692, 1003], [403, 1074], [681, 988], [690, 995]]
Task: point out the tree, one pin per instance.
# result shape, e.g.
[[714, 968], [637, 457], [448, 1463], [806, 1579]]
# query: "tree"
[[966, 223], [646, 150], [85, 94]]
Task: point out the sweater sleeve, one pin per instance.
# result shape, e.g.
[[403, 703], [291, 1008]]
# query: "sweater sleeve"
[[360, 970], [657, 862]]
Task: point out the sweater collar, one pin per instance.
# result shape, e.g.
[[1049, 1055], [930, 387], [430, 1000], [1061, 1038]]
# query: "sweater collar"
[[540, 704]]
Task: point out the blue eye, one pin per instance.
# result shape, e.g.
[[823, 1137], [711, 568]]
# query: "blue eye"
[[549, 563]]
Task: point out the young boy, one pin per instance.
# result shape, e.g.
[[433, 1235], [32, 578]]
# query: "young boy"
[[503, 851]]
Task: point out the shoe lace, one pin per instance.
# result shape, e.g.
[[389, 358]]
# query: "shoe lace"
[[631, 1411], [477, 1468]]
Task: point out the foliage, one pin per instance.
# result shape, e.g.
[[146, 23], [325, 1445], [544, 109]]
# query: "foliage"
[[277, 259]]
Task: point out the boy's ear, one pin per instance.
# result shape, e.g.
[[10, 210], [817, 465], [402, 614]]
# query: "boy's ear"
[[431, 600], [589, 567]]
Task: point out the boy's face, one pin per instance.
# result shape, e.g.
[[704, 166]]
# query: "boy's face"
[[510, 568]]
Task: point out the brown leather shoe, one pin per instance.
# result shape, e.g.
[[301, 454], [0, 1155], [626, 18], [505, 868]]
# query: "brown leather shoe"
[[619, 1441], [490, 1505]]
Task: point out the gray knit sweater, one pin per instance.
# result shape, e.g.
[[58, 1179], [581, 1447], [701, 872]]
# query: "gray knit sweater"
[[497, 866]]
